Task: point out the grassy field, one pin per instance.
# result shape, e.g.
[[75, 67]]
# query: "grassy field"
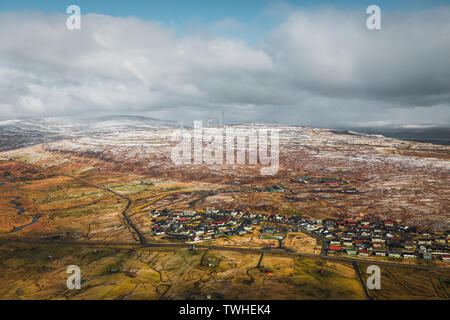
[[40, 273], [415, 284]]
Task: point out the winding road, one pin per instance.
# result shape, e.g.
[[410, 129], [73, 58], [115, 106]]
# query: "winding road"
[[127, 219]]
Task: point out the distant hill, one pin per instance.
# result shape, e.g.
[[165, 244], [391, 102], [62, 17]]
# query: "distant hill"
[[21, 133], [435, 135], [27, 132]]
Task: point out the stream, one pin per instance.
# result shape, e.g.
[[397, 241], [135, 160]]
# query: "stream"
[[20, 211]]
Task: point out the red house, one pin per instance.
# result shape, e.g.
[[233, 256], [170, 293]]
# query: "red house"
[[388, 224]]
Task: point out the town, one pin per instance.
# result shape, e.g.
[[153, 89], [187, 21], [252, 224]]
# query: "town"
[[338, 237]]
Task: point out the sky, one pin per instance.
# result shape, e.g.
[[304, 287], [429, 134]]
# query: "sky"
[[299, 62]]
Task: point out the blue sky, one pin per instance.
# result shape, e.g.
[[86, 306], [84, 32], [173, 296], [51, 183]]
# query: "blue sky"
[[207, 11], [251, 20]]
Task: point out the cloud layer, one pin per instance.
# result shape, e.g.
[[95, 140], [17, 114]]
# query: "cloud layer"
[[322, 68]]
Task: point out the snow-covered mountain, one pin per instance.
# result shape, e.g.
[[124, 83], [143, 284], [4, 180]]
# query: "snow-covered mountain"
[[26, 132]]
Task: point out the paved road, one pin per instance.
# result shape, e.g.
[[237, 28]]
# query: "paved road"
[[239, 249], [124, 212], [361, 281], [324, 249]]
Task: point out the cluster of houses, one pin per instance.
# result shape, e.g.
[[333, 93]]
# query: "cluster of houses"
[[383, 239], [205, 225], [351, 237], [193, 226]]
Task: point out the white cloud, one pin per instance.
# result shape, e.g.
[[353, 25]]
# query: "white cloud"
[[318, 67]]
